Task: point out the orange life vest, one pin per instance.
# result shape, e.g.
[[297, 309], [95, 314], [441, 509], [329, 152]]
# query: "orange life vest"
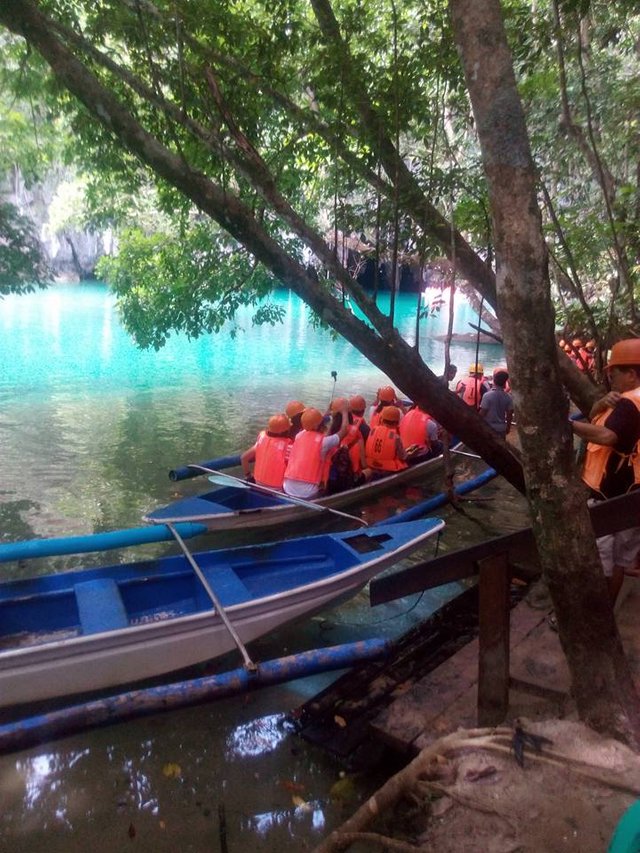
[[374, 420], [597, 456], [472, 393], [271, 460], [381, 450], [351, 440], [413, 429], [305, 461]]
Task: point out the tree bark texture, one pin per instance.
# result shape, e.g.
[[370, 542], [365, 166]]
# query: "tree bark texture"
[[602, 683]]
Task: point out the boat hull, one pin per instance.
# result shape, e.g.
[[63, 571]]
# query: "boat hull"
[[105, 659], [234, 509]]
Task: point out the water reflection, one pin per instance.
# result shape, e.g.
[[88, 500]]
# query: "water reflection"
[[257, 737]]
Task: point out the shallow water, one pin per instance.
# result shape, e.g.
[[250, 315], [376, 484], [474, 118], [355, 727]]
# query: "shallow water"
[[89, 427]]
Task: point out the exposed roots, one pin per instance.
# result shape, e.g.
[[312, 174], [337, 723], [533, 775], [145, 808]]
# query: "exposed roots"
[[420, 777]]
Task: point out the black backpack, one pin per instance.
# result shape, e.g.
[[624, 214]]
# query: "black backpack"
[[341, 474]]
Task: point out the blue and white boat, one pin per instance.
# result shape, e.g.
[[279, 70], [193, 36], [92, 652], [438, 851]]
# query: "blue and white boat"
[[233, 508], [96, 628]]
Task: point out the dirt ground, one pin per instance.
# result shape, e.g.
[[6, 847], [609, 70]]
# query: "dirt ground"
[[457, 796]]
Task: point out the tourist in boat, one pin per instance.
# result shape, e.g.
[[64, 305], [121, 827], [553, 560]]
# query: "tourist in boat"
[[384, 450], [419, 434], [307, 467], [352, 440], [496, 406], [473, 387], [386, 397], [294, 410], [269, 454], [357, 408], [611, 465]]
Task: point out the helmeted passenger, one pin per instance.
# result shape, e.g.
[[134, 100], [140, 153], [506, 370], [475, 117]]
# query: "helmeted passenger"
[[386, 397], [384, 450], [307, 469], [357, 407], [294, 410], [269, 454], [419, 434], [473, 387], [352, 439]]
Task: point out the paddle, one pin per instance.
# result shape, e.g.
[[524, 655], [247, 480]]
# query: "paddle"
[[229, 480], [249, 664]]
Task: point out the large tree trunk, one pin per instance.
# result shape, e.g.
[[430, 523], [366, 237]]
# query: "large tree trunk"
[[602, 684]]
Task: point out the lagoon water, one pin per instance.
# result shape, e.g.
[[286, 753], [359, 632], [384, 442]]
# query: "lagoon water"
[[89, 427]]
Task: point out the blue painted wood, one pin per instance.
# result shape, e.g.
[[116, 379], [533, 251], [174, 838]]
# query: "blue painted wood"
[[22, 733], [100, 606], [33, 548]]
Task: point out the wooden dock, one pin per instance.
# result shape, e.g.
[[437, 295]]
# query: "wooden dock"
[[379, 707]]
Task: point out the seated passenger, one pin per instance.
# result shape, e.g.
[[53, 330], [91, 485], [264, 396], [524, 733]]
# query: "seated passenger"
[[386, 397], [269, 454], [307, 467], [353, 443], [419, 434], [357, 407], [294, 410], [384, 450]]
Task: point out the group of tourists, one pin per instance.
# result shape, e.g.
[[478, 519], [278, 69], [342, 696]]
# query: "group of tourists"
[[581, 354], [305, 452]]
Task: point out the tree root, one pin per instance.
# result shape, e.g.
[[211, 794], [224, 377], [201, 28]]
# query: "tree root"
[[411, 777]]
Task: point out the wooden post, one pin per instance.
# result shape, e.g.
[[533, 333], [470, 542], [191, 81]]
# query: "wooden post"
[[493, 656]]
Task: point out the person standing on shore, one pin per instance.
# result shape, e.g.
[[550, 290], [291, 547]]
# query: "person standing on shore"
[[611, 465]]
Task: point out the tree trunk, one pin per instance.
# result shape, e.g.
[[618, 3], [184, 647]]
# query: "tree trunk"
[[602, 684]]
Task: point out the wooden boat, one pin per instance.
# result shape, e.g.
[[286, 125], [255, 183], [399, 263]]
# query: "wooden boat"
[[89, 629], [230, 508]]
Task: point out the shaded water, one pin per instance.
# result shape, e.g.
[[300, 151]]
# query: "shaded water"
[[89, 427]]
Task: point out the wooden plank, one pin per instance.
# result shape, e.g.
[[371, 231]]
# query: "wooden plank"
[[493, 640], [451, 567], [606, 517]]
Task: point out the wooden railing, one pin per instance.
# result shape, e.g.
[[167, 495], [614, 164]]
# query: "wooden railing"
[[493, 561]]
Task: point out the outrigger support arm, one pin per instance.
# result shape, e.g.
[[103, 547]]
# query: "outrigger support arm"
[[249, 664]]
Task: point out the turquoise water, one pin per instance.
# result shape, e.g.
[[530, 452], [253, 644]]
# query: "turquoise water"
[[89, 427], [90, 424]]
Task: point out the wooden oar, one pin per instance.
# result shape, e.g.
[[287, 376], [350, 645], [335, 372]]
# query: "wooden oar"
[[249, 664], [235, 482]]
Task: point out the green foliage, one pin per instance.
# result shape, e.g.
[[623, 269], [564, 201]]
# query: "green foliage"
[[21, 265], [193, 282], [295, 100]]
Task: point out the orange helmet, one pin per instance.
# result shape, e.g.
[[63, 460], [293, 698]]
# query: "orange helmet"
[[561, 343], [577, 343], [339, 404], [625, 354], [279, 424], [390, 415], [295, 407], [311, 419], [386, 394], [357, 403]]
